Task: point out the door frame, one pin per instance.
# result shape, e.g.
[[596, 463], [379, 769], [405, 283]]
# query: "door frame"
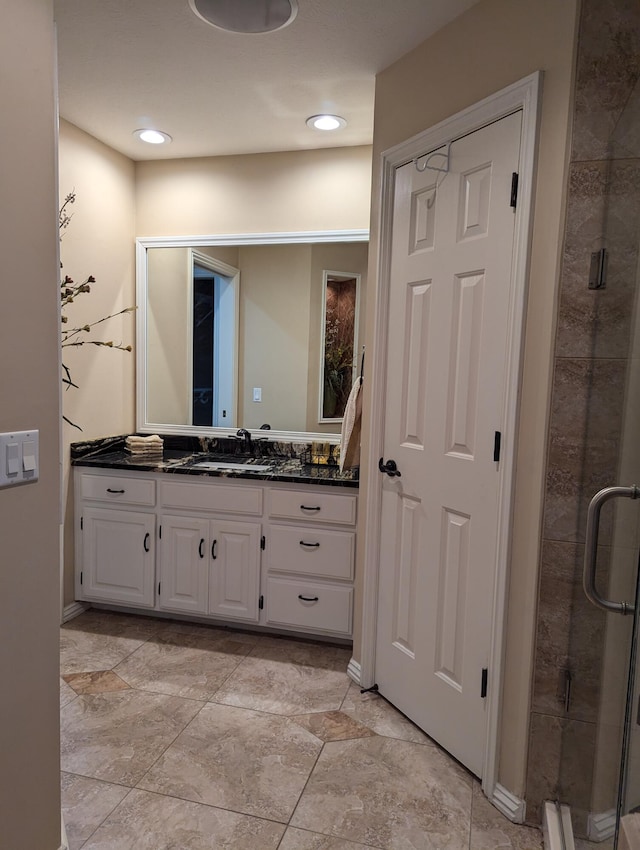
[[523, 95]]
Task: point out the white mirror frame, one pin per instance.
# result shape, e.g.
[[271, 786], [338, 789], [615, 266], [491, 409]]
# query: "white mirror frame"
[[231, 239]]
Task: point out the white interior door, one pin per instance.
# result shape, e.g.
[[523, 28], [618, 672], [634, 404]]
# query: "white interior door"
[[449, 321]]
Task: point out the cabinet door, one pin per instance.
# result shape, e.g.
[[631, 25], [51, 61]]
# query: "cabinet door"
[[118, 551], [184, 563], [234, 580]]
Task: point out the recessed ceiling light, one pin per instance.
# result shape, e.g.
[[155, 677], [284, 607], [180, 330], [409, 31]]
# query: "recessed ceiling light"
[[153, 137], [247, 16], [326, 122]]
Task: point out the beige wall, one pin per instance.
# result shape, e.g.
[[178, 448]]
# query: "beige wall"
[[98, 241], [274, 308], [292, 191], [168, 339], [29, 393], [495, 43]]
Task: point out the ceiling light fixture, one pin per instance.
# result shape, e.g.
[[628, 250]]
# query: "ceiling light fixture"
[[248, 16], [326, 122], [153, 137]]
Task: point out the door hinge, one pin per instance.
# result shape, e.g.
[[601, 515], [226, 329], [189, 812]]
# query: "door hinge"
[[81, 577], [484, 682], [160, 532], [159, 588], [497, 440], [261, 603], [514, 190], [263, 542], [81, 523]]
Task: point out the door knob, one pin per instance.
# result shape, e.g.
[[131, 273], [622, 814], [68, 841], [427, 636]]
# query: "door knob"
[[389, 467]]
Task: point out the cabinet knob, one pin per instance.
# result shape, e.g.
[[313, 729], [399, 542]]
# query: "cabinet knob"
[[213, 549], [201, 548], [146, 542], [308, 598], [310, 545], [308, 508]]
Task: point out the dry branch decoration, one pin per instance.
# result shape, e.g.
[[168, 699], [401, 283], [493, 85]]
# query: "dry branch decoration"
[[69, 291]]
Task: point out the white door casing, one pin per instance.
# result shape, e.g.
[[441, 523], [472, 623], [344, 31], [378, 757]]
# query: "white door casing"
[[522, 96]]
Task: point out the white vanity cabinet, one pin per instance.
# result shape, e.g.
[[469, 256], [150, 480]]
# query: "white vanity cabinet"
[[310, 559], [250, 551], [209, 562], [116, 540]]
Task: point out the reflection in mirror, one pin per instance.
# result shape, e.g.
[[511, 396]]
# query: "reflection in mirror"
[[231, 331], [340, 331]]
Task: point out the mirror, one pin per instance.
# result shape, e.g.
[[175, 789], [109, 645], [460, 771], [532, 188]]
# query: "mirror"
[[231, 331]]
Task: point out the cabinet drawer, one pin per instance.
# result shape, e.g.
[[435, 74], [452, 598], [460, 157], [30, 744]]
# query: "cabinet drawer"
[[221, 498], [324, 607], [311, 551], [114, 488], [313, 506]]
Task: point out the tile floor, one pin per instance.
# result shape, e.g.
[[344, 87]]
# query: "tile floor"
[[186, 737]]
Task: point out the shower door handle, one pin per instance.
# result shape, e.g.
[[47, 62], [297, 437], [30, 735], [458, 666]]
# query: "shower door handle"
[[591, 548]]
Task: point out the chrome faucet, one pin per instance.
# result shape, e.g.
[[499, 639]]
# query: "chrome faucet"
[[246, 436]]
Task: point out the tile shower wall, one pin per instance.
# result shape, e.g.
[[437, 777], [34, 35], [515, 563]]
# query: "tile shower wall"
[[592, 350]]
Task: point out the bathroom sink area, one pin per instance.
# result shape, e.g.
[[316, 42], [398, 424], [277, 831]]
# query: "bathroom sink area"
[[215, 465]]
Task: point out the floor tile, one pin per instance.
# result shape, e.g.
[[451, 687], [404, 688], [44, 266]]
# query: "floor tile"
[[147, 821], [85, 804], [333, 726], [247, 761], [96, 682], [184, 663], [387, 793], [288, 677], [118, 736], [380, 716], [490, 830], [66, 693], [98, 640], [300, 839]]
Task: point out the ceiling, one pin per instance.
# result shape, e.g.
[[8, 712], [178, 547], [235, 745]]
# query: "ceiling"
[[128, 64]]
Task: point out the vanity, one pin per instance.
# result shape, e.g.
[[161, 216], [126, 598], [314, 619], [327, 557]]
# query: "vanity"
[[255, 334], [268, 544]]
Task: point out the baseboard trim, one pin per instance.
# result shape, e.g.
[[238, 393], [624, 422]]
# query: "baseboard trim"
[[512, 807], [64, 845], [601, 825], [556, 827], [354, 671], [69, 612]]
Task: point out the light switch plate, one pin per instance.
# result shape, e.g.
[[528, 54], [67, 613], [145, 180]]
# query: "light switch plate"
[[257, 393], [19, 457]]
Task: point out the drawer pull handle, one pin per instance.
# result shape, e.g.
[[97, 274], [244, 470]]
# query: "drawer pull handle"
[[146, 542], [201, 548], [307, 508], [213, 550], [310, 545], [308, 598], [109, 490]]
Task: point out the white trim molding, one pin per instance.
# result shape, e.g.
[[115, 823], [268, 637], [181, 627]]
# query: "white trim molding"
[[522, 96], [512, 807], [354, 671], [601, 826], [69, 612], [557, 829], [64, 842]]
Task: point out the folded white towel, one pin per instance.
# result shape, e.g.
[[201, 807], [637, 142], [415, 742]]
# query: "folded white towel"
[[151, 445], [351, 428], [152, 439]]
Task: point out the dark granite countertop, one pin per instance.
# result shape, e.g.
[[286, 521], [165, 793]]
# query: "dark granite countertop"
[[180, 459]]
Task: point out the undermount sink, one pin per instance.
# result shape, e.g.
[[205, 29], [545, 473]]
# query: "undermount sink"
[[215, 465]]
